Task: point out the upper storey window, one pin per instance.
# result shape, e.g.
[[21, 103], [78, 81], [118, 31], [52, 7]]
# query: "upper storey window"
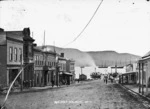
[[10, 53], [15, 52]]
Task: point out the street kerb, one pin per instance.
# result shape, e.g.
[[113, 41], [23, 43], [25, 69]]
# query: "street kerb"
[[135, 94]]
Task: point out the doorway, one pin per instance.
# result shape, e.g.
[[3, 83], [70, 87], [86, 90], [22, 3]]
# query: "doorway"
[[45, 77]]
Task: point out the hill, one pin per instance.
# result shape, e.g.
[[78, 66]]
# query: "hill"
[[96, 58]]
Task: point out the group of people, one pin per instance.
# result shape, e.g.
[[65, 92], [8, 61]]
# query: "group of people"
[[62, 82], [106, 78]]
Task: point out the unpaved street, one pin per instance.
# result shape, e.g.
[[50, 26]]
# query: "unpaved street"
[[87, 95]]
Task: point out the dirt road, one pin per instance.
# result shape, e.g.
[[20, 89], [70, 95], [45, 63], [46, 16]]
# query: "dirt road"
[[87, 95]]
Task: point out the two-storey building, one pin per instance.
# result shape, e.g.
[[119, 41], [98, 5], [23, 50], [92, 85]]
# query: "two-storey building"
[[71, 69], [11, 47], [44, 67], [66, 70], [40, 66], [62, 69]]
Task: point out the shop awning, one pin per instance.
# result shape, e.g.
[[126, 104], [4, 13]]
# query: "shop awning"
[[129, 73], [66, 73]]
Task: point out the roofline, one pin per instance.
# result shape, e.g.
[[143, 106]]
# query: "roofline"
[[145, 58], [13, 39]]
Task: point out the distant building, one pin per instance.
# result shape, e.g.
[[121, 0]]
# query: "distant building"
[[131, 74], [71, 69], [64, 76], [116, 69]]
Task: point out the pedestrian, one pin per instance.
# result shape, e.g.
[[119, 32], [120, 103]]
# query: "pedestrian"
[[60, 83], [78, 80], [52, 83], [111, 78], [105, 79]]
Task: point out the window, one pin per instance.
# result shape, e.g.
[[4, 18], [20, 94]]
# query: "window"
[[35, 58], [10, 53], [20, 57], [15, 54], [41, 60]]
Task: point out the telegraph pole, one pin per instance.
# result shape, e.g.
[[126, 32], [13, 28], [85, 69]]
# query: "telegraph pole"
[[81, 72], [21, 88]]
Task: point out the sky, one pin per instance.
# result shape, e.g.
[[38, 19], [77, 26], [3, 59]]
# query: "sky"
[[119, 25]]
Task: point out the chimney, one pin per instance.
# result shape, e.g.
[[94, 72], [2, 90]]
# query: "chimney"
[[62, 54], [26, 32]]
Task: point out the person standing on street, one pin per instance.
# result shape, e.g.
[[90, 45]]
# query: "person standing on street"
[[106, 79], [52, 83], [78, 80]]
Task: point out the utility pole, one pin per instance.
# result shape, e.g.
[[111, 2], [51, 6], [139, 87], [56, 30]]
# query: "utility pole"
[[116, 67], [111, 69], [21, 88], [44, 38], [57, 71], [81, 72], [139, 76]]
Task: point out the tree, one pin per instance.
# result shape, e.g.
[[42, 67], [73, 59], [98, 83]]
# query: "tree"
[[95, 75]]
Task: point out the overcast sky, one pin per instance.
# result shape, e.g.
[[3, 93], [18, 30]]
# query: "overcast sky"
[[120, 25]]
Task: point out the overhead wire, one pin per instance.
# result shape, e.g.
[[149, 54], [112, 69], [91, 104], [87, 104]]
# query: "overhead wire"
[[85, 25]]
